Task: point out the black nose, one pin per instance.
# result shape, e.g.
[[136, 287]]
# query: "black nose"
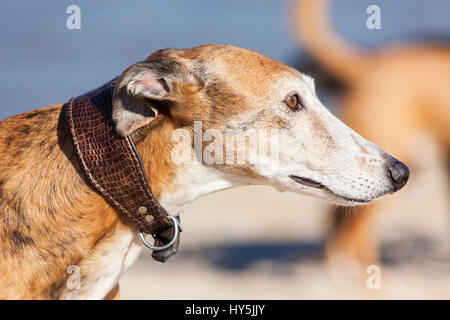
[[399, 174]]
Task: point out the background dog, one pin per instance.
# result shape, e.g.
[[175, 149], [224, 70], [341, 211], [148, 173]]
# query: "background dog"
[[392, 94]]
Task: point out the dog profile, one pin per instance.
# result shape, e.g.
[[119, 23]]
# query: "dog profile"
[[391, 94], [51, 219]]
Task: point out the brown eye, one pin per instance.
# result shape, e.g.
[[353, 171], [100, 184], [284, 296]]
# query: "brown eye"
[[292, 101]]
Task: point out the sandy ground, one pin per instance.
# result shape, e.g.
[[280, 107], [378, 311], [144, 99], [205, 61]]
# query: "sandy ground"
[[274, 249]]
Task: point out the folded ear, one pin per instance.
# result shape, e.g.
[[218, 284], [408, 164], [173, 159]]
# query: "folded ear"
[[138, 86]]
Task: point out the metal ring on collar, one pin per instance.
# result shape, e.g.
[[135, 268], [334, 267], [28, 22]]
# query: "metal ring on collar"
[[176, 226]]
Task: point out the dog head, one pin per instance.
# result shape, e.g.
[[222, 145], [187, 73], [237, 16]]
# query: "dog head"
[[259, 121]]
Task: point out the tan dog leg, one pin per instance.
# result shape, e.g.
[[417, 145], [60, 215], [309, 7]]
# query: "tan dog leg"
[[389, 124], [351, 235], [114, 294]]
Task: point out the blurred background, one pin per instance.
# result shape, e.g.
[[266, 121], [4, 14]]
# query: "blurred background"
[[275, 251]]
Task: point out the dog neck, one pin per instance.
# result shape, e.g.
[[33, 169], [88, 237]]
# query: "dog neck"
[[176, 186]]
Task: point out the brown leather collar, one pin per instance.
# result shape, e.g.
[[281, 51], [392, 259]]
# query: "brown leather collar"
[[113, 166]]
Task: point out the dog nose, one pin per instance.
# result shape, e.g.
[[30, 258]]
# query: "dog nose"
[[399, 174]]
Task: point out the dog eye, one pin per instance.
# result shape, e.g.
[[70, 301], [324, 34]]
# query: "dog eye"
[[293, 101]]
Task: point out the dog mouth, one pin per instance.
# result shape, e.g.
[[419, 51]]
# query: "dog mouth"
[[308, 182], [317, 185]]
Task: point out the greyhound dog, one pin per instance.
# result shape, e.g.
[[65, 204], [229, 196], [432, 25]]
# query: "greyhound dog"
[[52, 220]]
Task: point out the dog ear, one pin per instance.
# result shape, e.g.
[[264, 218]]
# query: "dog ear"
[[139, 87]]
